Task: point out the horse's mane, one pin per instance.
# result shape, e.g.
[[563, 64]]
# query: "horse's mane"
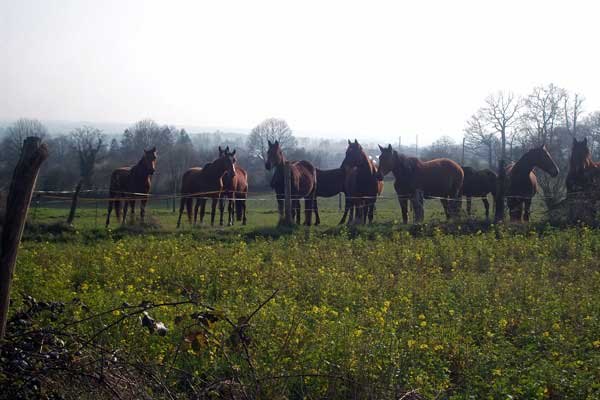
[[587, 160]]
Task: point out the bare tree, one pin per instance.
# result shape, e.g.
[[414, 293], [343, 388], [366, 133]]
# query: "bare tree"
[[542, 109], [479, 136], [501, 112], [444, 147], [271, 129], [88, 142], [15, 135], [573, 109]]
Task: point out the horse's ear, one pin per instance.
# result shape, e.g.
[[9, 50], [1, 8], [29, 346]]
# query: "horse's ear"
[[153, 149], [574, 141], [544, 147], [227, 149], [349, 142], [355, 141], [233, 153], [270, 144], [277, 142], [389, 147], [584, 141], [220, 150], [380, 148]]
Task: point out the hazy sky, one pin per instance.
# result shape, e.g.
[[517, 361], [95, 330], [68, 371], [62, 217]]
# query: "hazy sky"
[[330, 68]]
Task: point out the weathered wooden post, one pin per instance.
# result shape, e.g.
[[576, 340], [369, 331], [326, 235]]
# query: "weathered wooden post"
[[500, 193], [417, 203], [287, 201], [74, 202], [34, 153]]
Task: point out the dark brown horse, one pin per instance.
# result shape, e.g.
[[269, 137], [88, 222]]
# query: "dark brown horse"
[[131, 183], [522, 182], [330, 183], [303, 183], [580, 165], [235, 192], [203, 183], [479, 184], [363, 183], [442, 178]]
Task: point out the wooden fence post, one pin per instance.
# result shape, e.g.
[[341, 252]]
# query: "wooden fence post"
[[417, 202], [287, 202], [74, 203], [34, 153], [500, 193]]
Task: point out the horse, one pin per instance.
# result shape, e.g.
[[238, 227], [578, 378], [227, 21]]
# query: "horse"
[[479, 184], [363, 184], [580, 165], [132, 182], [203, 183], [330, 183], [441, 178], [522, 182], [303, 182], [235, 192]]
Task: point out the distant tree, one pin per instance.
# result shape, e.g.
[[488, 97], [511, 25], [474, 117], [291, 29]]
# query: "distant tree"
[[271, 129], [501, 113], [479, 136], [88, 142], [444, 147], [146, 134], [16, 134]]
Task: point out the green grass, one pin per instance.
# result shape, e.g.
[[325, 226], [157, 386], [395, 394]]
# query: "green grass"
[[368, 313]]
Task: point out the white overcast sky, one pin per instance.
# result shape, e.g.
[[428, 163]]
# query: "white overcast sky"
[[330, 68]]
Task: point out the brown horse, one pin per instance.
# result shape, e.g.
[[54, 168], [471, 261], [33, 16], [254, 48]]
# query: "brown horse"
[[132, 182], [235, 192], [522, 182], [479, 184], [303, 182], [441, 177], [203, 183], [363, 183], [330, 183], [580, 165]]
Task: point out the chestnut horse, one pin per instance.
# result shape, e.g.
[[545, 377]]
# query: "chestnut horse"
[[203, 183], [580, 165], [303, 182], [132, 182], [479, 184], [522, 182], [363, 183], [441, 177], [235, 192]]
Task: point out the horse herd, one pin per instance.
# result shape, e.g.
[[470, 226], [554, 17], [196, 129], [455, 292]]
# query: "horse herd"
[[359, 178]]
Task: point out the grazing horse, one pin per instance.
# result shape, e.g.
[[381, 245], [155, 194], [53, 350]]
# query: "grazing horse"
[[441, 177], [131, 183], [202, 183], [235, 192], [479, 184], [363, 183], [303, 182], [522, 182], [580, 165]]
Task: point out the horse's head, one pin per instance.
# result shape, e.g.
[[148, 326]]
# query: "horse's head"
[[149, 160], [229, 160], [386, 160], [580, 156], [355, 156], [544, 161], [274, 155]]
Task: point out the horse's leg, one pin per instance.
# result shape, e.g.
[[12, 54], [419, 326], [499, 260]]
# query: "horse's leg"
[[469, 208], [404, 208], [213, 209], [527, 209], [200, 203], [372, 210], [117, 203], [296, 211], [445, 205], [110, 207], [280, 199], [231, 210], [143, 209], [486, 204], [221, 207], [308, 211], [316, 207], [132, 205], [125, 208], [181, 208]]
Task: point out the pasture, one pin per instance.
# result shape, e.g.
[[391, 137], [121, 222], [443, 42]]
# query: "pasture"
[[373, 312]]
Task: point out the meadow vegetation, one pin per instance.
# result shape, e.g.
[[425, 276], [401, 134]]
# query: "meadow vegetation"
[[464, 311]]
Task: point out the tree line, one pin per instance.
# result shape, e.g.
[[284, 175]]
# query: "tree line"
[[504, 127]]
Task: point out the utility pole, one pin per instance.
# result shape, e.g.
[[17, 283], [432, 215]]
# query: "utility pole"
[[417, 146]]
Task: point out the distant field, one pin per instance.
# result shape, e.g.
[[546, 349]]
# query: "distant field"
[[262, 211]]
